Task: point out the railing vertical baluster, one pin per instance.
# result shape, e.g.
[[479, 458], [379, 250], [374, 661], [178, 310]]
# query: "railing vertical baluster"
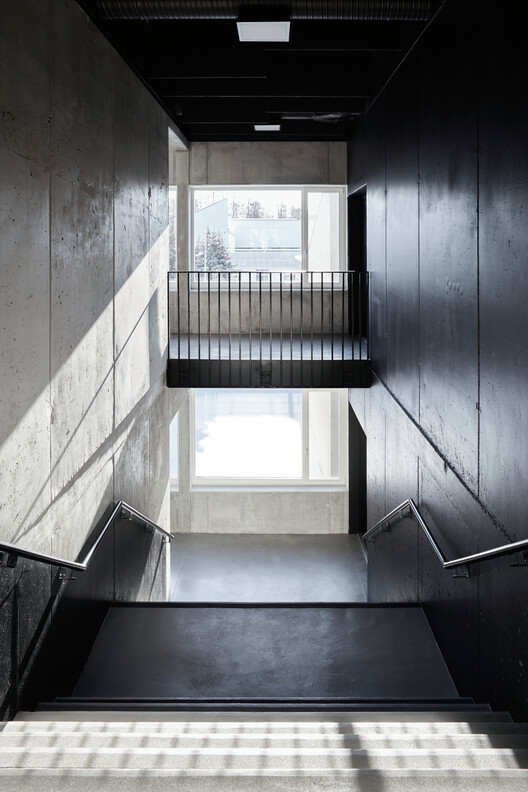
[[179, 315], [188, 279], [332, 313], [260, 316], [229, 321], [199, 326], [280, 323], [209, 324], [322, 327], [356, 307], [270, 320], [250, 319], [366, 287], [301, 295], [239, 276], [360, 316], [311, 320], [342, 316], [291, 330]]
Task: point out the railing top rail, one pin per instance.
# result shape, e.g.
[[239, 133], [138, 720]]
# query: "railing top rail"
[[82, 565], [474, 558], [266, 272]]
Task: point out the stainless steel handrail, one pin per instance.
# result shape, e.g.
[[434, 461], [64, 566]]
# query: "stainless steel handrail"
[[81, 566], [474, 558]]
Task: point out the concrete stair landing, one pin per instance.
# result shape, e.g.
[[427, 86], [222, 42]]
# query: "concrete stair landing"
[[272, 752]]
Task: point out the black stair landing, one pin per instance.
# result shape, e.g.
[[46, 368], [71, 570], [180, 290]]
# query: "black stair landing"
[[265, 657], [214, 373]]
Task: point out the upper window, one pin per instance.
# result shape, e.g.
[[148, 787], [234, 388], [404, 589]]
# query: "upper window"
[[268, 229], [269, 437]]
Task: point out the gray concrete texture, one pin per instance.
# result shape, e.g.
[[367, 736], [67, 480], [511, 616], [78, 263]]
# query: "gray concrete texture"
[[84, 220], [83, 225], [214, 311]]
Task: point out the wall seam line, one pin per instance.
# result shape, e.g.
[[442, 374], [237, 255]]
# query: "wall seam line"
[[444, 459]]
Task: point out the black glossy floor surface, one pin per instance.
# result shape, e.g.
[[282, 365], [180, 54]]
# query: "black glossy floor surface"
[[246, 568], [265, 652]]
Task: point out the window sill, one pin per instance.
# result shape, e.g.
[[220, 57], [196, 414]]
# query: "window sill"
[[277, 488]]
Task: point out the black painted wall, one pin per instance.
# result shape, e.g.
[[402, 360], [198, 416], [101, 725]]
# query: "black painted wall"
[[445, 158]]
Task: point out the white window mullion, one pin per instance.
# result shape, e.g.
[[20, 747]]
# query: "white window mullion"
[[304, 228], [305, 436]]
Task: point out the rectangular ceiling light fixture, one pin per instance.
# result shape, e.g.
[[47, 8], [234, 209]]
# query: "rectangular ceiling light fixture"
[[267, 127], [264, 31]]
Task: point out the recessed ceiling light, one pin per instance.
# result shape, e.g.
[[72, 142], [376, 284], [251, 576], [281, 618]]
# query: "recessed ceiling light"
[[267, 127], [264, 31]]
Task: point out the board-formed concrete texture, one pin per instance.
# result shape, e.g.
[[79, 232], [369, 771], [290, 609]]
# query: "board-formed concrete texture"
[[83, 342], [449, 426]]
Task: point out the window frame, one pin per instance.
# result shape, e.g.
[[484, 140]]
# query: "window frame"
[[305, 189], [174, 436], [233, 483]]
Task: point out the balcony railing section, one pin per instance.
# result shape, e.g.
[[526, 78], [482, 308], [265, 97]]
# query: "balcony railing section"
[[235, 322]]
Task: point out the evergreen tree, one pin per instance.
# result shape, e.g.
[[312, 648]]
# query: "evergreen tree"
[[211, 252]]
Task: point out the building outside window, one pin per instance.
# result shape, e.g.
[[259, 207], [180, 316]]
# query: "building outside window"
[[268, 229]]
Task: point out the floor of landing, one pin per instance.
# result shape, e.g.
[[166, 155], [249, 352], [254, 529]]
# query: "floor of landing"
[[270, 568]]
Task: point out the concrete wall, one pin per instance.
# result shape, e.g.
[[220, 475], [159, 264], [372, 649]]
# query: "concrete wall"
[[84, 413], [443, 153], [247, 511]]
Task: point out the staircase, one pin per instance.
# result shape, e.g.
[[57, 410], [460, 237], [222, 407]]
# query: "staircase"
[[475, 750], [264, 698]]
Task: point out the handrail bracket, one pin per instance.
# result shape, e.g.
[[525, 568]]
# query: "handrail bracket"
[[11, 560], [461, 571], [66, 574], [521, 559]]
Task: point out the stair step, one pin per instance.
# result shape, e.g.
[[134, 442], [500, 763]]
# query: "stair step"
[[264, 760], [359, 780], [261, 705], [251, 732], [231, 741], [290, 717]]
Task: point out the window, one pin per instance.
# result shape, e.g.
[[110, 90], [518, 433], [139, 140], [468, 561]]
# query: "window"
[[269, 438], [262, 229], [173, 228]]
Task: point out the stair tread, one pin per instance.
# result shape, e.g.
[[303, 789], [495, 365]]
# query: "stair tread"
[[282, 717], [357, 780]]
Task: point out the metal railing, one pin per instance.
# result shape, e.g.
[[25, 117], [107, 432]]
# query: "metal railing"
[[233, 315], [460, 566], [121, 509]]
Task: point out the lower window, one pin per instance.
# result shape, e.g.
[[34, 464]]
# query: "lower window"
[[269, 438]]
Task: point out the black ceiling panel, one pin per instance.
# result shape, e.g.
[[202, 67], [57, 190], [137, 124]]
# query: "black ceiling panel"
[[339, 57]]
